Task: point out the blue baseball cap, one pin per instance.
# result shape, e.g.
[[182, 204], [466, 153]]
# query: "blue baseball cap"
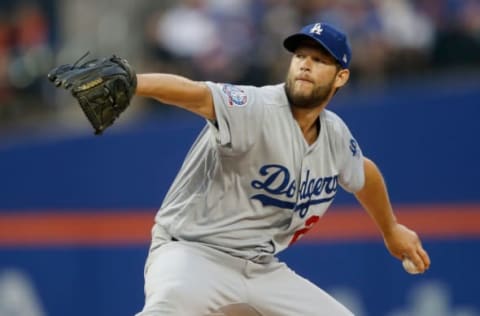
[[330, 38]]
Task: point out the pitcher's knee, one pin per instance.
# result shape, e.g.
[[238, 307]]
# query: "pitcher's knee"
[[176, 299], [237, 309]]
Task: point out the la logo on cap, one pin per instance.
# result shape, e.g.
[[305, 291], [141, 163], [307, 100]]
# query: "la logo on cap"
[[317, 29]]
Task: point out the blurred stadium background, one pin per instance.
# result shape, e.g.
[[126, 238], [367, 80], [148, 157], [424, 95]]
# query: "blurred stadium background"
[[76, 210]]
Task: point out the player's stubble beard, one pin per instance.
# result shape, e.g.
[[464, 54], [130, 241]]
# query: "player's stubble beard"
[[317, 97]]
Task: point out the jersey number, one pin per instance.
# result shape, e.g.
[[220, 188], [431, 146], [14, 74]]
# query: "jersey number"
[[309, 223]]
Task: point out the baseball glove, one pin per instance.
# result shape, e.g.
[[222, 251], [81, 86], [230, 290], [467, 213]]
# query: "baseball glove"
[[103, 87]]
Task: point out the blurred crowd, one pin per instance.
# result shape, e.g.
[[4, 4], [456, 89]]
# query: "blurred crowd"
[[25, 55], [240, 41]]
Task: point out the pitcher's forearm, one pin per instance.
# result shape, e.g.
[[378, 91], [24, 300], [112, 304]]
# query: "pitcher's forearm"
[[177, 90], [374, 198]]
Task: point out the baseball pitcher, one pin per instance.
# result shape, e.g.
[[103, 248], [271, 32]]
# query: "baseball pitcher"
[[262, 172]]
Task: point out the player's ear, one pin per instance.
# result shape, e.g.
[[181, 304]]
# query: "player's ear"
[[342, 78]]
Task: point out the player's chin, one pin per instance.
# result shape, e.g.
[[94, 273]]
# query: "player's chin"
[[303, 101], [302, 93]]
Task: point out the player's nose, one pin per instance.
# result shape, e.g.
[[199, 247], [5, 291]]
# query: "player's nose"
[[306, 64]]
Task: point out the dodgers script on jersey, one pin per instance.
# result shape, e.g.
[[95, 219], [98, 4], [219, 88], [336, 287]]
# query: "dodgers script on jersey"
[[251, 185]]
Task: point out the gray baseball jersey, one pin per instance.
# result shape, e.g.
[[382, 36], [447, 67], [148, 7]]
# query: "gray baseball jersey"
[[251, 185]]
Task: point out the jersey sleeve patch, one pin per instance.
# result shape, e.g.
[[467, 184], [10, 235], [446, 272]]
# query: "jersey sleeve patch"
[[237, 97]]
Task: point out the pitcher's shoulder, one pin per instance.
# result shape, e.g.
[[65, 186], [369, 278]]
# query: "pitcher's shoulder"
[[333, 122]]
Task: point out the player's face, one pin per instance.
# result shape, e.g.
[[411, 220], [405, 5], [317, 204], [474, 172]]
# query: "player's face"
[[311, 77]]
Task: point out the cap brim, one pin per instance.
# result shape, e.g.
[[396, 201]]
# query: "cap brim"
[[292, 42]]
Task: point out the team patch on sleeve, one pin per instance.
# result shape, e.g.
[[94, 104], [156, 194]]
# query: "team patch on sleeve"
[[236, 96]]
